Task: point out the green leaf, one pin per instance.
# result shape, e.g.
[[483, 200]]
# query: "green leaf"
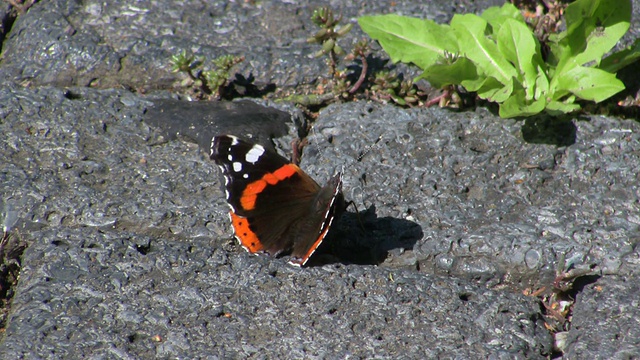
[[398, 100], [542, 85], [589, 84], [496, 16], [555, 42], [593, 28], [518, 45], [556, 108], [620, 59], [473, 43], [496, 94], [518, 105], [410, 40], [489, 88], [441, 75], [481, 82]]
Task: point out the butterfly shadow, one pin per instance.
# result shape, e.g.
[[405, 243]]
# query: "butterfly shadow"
[[363, 238]]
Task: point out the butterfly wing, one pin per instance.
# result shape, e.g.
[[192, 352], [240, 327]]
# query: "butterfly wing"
[[311, 231]]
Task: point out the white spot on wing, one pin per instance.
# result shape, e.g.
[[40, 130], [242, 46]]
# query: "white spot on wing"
[[229, 157], [237, 167], [234, 140], [254, 154], [246, 176]]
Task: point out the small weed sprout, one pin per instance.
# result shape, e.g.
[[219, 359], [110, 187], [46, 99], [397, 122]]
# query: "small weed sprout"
[[206, 83]]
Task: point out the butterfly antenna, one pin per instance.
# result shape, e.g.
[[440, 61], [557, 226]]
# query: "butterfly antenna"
[[320, 153], [368, 149]]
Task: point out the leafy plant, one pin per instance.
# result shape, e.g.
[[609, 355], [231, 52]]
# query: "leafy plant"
[[11, 248], [388, 86], [328, 35], [383, 86], [209, 82], [500, 58]]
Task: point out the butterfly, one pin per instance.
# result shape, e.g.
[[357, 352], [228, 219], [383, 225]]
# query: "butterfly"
[[275, 206]]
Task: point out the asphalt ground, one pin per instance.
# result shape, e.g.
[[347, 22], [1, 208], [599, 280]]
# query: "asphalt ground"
[[460, 214]]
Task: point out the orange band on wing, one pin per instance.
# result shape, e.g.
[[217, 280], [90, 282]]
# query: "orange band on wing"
[[247, 238], [250, 194]]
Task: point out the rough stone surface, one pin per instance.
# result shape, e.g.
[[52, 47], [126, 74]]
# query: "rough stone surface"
[[129, 247], [93, 43], [606, 323]]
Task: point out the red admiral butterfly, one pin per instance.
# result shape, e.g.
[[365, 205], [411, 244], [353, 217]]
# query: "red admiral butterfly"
[[275, 206]]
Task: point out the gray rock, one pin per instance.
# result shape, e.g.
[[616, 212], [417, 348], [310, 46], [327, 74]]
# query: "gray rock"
[[130, 253], [605, 321]]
